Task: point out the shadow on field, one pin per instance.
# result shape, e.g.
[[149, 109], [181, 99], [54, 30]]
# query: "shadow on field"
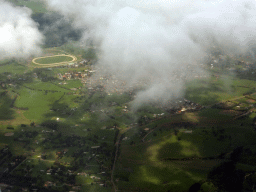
[[6, 104], [248, 74], [52, 124], [180, 161], [167, 150], [61, 110]]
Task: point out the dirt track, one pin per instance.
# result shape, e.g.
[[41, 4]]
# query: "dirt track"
[[54, 64]]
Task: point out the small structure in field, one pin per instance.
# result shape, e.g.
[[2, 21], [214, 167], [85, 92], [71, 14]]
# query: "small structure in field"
[[8, 134], [188, 131]]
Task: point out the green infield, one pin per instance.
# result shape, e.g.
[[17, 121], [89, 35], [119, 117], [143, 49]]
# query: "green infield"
[[52, 60]]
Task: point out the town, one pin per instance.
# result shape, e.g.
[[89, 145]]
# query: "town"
[[146, 107]]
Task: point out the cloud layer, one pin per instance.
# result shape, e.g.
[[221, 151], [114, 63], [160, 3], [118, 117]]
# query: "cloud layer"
[[19, 36], [161, 42]]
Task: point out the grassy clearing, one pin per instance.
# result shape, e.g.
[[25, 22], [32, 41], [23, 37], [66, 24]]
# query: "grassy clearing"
[[73, 84], [39, 85], [147, 173], [36, 99], [53, 59], [18, 118], [94, 188], [13, 68], [36, 6], [37, 102], [171, 176], [83, 180], [6, 100], [213, 114], [142, 166], [53, 51], [213, 90]]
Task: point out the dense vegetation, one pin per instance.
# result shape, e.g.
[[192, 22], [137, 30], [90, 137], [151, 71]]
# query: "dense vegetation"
[[56, 29]]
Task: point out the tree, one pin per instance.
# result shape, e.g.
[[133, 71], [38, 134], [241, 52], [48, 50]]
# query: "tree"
[[32, 124]]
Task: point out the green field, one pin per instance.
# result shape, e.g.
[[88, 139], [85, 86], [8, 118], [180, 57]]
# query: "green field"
[[12, 67], [37, 6], [39, 97], [53, 51], [49, 116], [54, 59], [212, 90], [148, 165]]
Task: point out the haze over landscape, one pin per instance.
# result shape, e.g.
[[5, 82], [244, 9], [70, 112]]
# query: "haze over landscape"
[[128, 95], [153, 39]]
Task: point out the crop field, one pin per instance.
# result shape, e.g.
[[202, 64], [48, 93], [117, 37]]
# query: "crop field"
[[56, 59]]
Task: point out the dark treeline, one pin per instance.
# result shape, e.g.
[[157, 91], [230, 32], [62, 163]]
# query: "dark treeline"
[[56, 29]]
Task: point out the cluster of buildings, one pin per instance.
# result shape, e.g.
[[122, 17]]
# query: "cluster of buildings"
[[182, 105], [72, 75], [77, 64]]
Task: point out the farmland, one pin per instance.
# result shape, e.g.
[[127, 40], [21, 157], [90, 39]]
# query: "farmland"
[[187, 156], [71, 134], [71, 122]]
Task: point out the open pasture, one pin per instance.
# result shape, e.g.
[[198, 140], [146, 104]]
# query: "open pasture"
[[212, 90], [40, 97], [12, 67], [151, 165], [53, 51]]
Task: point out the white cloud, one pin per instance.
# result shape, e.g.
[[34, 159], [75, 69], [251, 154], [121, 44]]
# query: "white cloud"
[[19, 36], [161, 40]]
